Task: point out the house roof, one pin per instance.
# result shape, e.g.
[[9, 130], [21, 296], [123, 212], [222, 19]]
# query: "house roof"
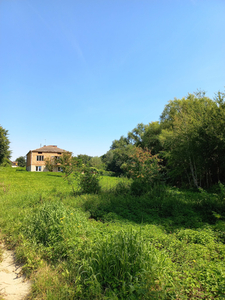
[[50, 148]]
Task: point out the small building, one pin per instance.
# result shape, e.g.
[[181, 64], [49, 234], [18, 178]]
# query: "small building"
[[36, 158], [14, 164]]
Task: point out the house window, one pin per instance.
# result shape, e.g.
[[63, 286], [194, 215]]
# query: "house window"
[[38, 168], [59, 169], [40, 157]]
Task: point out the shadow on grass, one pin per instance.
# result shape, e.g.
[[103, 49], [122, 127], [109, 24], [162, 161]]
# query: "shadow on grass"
[[20, 169], [54, 174], [160, 206]]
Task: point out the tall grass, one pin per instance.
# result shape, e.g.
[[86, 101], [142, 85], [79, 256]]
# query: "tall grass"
[[124, 265], [165, 244]]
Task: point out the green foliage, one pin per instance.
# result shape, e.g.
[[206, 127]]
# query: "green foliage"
[[56, 227], [165, 244], [85, 159], [135, 137], [45, 224], [96, 162], [151, 138], [89, 181], [118, 265], [69, 163], [202, 237], [50, 163], [193, 139], [118, 158], [5, 153], [81, 178], [21, 161], [190, 139], [144, 169]]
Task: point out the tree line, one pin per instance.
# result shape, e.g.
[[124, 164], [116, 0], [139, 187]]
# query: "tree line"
[[188, 144], [189, 139]]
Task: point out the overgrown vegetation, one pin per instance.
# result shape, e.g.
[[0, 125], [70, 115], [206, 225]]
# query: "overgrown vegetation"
[[85, 236], [164, 244]]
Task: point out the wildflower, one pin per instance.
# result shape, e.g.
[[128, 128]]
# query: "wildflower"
[[194, 260]]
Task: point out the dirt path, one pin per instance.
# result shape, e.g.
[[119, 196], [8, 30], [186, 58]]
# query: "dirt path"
[[13, 285]]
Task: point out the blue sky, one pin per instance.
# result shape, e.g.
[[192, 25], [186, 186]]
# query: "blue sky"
[[79, 74]]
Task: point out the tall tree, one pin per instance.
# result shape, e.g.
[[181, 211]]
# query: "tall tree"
[[5, 153], [135, 137], [193, 139], [121, 143], [84, 158], [150, 138], [97, 162]]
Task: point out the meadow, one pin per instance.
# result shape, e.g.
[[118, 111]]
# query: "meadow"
[[165, 244]]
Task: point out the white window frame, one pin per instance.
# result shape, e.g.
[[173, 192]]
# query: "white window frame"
[[38, 168]]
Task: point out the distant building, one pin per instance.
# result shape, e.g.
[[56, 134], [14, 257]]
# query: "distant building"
[[36, 158], [14, 164]]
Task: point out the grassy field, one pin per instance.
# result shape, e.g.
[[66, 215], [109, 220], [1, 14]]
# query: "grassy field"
[[166, 244]]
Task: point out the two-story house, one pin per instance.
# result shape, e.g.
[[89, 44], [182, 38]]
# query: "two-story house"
[[36, 158]]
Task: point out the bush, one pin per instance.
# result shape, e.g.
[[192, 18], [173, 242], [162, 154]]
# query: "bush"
[[89, 181], [144, 169]]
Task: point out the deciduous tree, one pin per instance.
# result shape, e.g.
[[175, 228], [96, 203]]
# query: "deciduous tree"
[[5, 153], [21, 161]]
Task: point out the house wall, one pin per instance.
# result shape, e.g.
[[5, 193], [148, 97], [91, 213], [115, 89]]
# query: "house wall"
[[28, 168], [34, 163], [29, 159]]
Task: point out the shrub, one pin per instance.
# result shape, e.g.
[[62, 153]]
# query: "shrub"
[[144, 169], [89, 181]]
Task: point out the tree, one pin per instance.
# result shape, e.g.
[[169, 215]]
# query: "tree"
[[143, 168], [5, 153], [193, 138], [121, 143], [84, 158], [135, 137], [96, 162], [21, 161], [50, 163], [151, 137], [69, 163]]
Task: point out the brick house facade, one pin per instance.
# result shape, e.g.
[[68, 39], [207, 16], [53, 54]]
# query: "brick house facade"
[[36, 158]]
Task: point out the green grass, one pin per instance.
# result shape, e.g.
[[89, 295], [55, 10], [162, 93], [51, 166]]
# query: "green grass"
[[166, 244]]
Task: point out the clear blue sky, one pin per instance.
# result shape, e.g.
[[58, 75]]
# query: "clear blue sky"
[[79, 74]]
